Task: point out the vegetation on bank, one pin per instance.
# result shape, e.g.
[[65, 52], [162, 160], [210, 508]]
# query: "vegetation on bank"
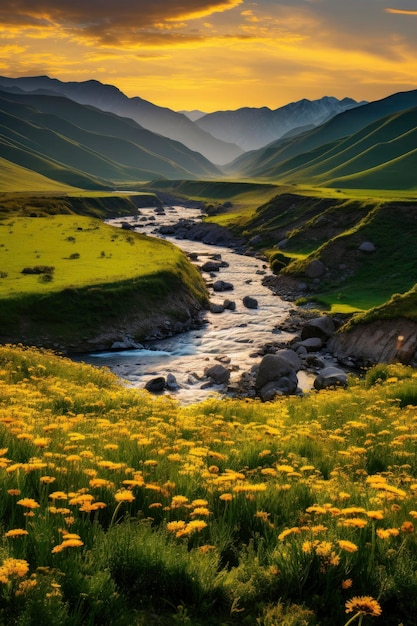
[[64, 278], [117, 507]]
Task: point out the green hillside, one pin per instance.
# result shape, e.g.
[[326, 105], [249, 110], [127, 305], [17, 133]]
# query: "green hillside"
[[359, 157], [17, 178], [65, 279], [358, 139], [87, 147]]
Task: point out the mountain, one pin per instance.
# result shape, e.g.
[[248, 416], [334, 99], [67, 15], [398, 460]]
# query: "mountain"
[[252, 128], [193, 115], [159, 120], [365, 130], [84, 146]]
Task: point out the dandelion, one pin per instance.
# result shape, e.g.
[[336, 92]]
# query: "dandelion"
[[377, 515], [226, 497], [348, 546], [16, 532], [289, 531], [67, 543], [14, 492], [29, 503], [46, 480], [178, 501], [347, 583], [174, 527], [407, 527], [354, 522], [125, 495], [362, 605], [386, 533]]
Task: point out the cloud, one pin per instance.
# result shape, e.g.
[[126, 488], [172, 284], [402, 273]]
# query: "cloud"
[[401, 11], [109, 22]]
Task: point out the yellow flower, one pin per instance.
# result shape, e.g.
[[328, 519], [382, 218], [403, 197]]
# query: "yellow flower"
[[47, 479], [407, 527], [226, 497], [29, 503], [173, 527], [16, 567], [354, 522], [125, 495], [289, 531], [375, 514], [67, 543], [16, 532], [386, 533], [363, 605], [58, 495], [178, 501], [348, 546], [347, 583]]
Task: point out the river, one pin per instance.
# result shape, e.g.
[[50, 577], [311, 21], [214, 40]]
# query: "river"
[[233, 337]]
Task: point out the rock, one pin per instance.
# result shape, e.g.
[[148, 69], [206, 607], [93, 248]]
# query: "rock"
[[315, 269], [291, 356], [210, 266], [171, 382], [216, 308], [222, 285], [322, 327], [284, 386], [367, 246], [250, 303], [126, 344], [312, 360], [230, 305], [277, 370], [156, 385], [219, 374], [312, 344], [282, 244], [330, 377]]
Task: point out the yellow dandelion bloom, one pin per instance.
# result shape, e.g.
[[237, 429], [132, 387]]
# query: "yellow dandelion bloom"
[[199, 502], [200, 510], [348, 546], [285, 468], [353, 522], [347, 583], [16, 532], [175, 526], [14, 492], [29, 503], [353, 510], [407, 527], [289, 531], [375, 514], [15, 567], [125, 495], [47, 480], [363, 605], [67, 543], [58, 495], [226, 497], [196, 525], [178, 501]]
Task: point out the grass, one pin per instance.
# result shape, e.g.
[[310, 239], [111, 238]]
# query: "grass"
[[66, 278], [15, 178], [106, 253], [225, 512]]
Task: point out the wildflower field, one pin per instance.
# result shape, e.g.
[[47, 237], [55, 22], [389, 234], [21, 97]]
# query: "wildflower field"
[[117, 507]]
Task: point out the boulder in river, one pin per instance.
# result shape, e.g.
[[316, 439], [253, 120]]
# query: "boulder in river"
[[330, 377], [156, 385], [275, 376], [322, 327], [211, 266], [219, 374], [222, 285], [250, 303]]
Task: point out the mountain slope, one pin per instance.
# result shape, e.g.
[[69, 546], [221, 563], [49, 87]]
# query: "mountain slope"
[[17, 178], [157, 119], [253, 128], [263, 162], [381, 152], [50, 134]]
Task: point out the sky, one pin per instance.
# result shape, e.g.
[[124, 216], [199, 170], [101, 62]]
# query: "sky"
[[216, 54]]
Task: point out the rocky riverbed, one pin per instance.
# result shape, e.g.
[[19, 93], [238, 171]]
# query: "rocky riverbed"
[[246, 321]]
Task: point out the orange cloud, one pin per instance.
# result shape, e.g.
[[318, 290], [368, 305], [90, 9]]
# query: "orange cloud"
[[401, 11]]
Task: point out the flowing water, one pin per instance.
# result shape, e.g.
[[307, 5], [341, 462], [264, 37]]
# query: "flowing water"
[[233, 337]]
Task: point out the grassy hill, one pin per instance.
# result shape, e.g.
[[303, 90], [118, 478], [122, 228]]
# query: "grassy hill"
[[360, 139], [87, 147], [224, 512], [17, 178], [68, 280]]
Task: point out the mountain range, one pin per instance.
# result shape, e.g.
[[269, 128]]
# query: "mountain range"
[[252, 128], [87, 144]]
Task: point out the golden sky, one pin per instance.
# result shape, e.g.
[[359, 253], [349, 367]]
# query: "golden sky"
[[216, 54]]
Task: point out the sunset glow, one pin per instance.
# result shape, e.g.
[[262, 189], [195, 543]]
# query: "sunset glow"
[[217, 54]]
